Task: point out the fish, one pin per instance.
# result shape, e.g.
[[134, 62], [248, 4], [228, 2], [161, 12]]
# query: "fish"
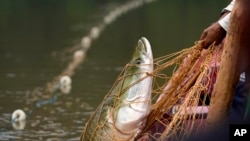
[[123, 112]]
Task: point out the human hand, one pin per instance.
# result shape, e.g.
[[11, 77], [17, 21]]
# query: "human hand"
[[214, 33]]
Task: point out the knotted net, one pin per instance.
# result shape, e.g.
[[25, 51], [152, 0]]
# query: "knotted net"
[[182, 86], [181, 99]]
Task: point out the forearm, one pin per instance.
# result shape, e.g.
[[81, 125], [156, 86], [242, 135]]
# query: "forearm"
[[217, 31]]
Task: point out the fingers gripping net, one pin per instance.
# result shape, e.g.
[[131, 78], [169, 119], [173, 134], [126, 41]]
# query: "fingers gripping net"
[[180, 102]]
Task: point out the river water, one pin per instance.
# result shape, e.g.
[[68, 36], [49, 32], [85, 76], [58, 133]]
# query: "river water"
[[38, 40]]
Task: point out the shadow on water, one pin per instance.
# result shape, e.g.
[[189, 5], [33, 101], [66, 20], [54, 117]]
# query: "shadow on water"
[[39, 38]]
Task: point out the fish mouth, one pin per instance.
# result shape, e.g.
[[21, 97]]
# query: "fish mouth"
[[143, 42]]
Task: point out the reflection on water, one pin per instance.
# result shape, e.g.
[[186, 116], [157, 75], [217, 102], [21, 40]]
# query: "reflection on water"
[[39, 39], [18, 119]]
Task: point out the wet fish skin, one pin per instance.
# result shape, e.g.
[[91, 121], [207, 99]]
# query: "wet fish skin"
[[123, 112]]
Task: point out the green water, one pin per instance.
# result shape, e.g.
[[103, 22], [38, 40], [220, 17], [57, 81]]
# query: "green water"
[[36, 38]]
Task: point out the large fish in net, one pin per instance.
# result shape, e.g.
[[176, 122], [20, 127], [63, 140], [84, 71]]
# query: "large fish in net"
[[182, 83], [122, 114]]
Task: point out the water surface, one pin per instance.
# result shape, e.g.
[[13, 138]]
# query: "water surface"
[[38, 39]]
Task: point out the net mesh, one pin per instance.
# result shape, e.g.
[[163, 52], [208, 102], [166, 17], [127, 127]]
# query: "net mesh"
[[180, 103], [182, 86], [99, 127]]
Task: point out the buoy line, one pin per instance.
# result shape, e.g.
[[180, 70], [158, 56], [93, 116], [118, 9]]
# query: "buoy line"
[[62, 82]]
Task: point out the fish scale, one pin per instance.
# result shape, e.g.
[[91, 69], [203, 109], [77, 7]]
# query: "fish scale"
[[123, 111]]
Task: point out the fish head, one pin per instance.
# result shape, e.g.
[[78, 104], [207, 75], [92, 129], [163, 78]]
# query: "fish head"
[[143, 54], [139, 68]]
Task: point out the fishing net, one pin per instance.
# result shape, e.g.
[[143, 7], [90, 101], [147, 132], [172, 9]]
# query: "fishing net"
[[182, 86], [181, 93], [101, 128]]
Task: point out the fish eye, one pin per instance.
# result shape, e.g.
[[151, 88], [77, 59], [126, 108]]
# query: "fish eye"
[[138, 61]]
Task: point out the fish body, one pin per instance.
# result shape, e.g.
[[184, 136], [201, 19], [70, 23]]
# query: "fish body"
[[123, 112]]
